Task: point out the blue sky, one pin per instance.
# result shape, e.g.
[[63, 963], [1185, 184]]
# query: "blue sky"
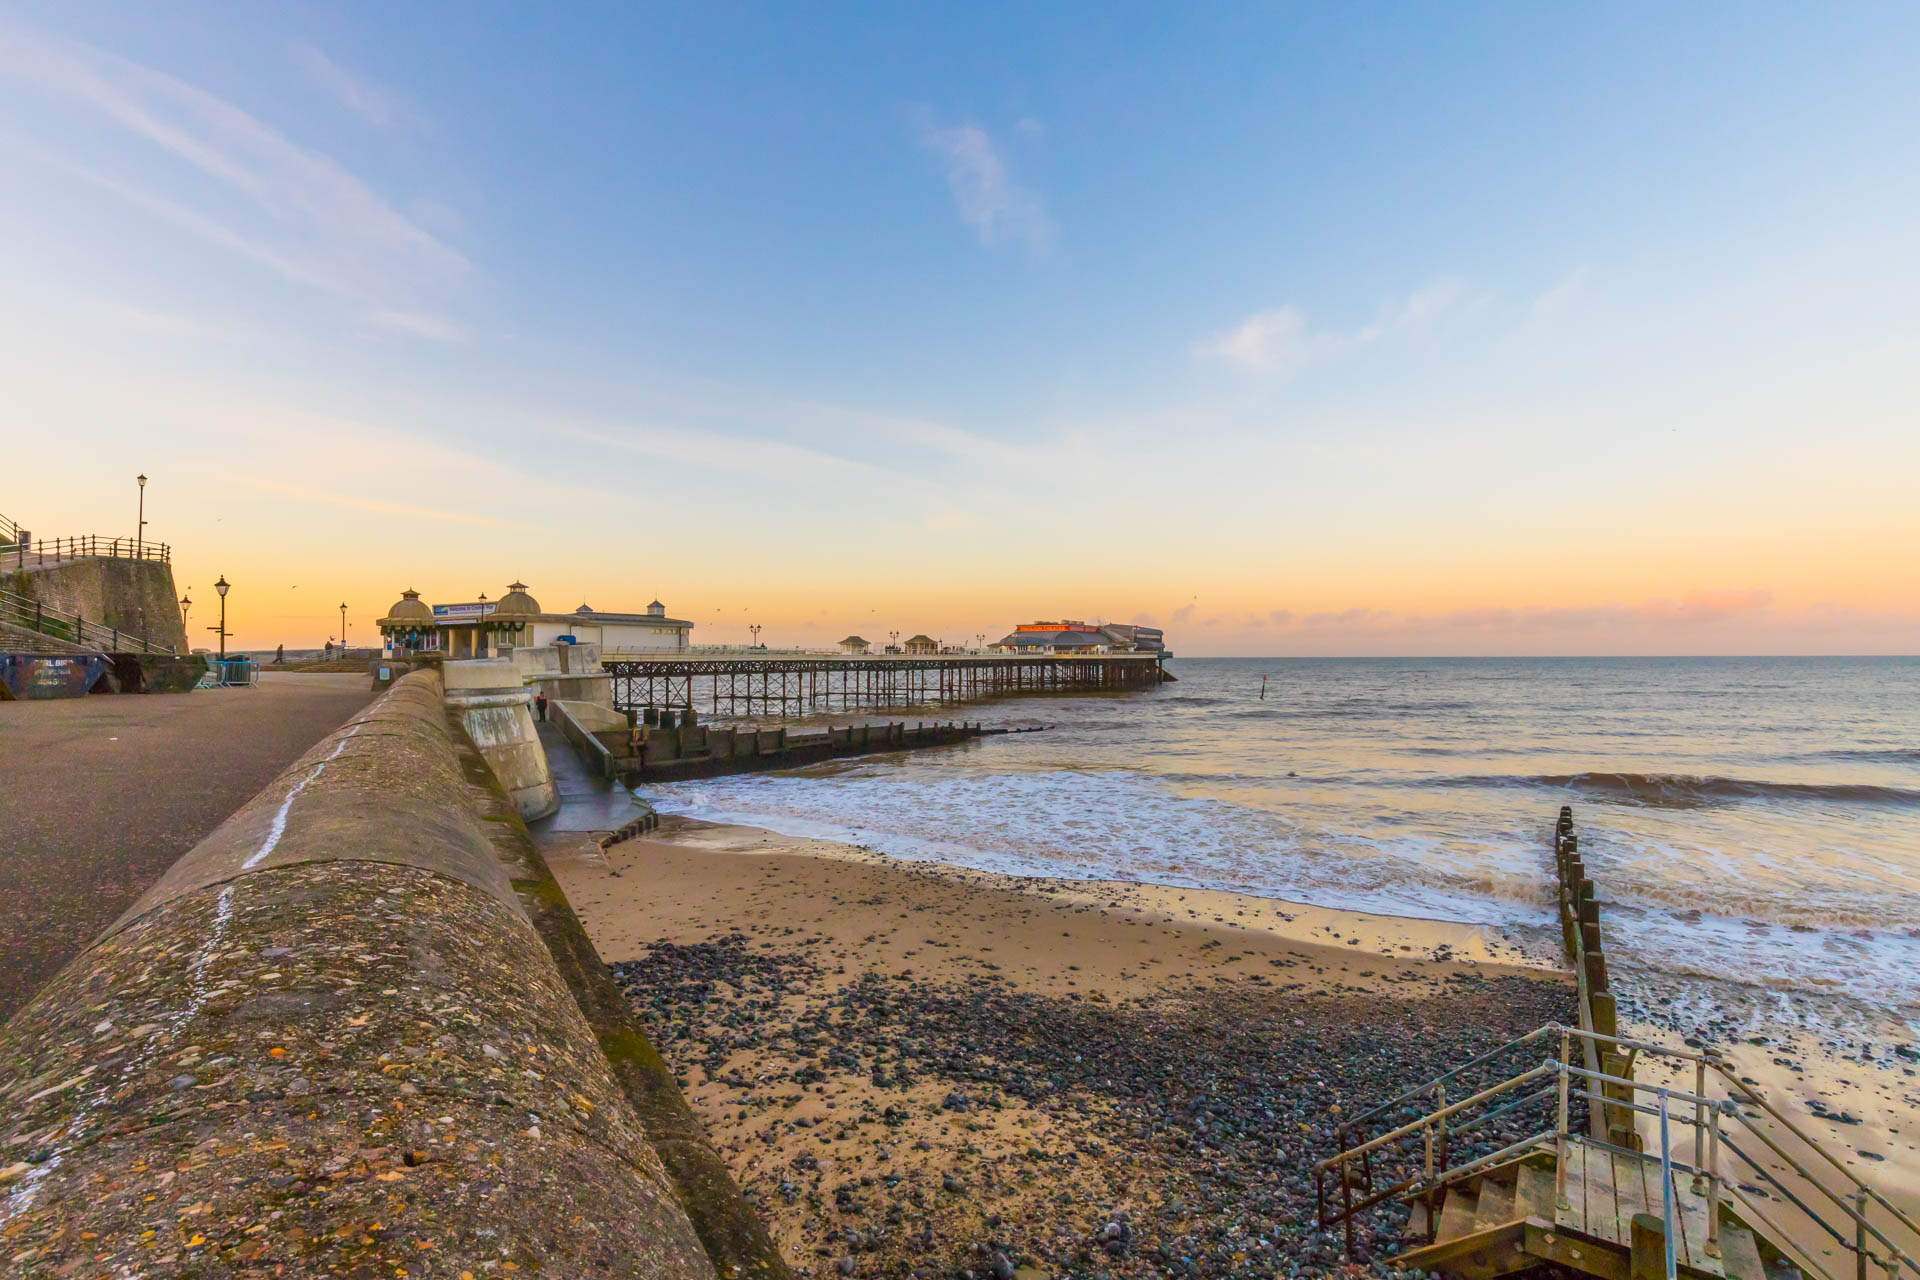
[[1391, 314]]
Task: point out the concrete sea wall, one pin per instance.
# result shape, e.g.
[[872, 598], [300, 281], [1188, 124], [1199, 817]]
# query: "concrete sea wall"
[[356, 1031], [497, 710]]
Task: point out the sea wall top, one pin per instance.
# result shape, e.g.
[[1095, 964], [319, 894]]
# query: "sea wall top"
[[330, 1041]]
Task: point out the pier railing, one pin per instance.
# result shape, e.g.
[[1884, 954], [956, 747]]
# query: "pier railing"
[[792, 686]]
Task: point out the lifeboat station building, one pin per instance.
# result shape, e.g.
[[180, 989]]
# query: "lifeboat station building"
[[486, 628]]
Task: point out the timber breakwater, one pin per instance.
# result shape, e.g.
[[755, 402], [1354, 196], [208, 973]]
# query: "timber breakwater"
[[670, 747], [356, 1031]]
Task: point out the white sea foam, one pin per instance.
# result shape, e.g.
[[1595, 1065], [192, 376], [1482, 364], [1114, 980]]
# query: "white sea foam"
[[1749, 822]]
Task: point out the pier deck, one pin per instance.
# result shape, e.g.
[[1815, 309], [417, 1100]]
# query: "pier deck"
[[745, 684]]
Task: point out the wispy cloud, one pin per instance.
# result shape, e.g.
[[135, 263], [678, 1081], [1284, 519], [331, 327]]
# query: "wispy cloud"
[[360, 502], [998, 208], [246, 187], [420, 326], [375, 105], [1563, 294], [1280, 341]]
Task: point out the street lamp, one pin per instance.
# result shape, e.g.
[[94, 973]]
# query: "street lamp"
[[755, 628], [140, 530], [186, 606], [221, 587], [343, 628]]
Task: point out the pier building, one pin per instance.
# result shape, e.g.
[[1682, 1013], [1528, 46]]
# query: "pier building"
[[1070, 636], [483, 628]]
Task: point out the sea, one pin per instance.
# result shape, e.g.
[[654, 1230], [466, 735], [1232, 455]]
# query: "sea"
[[1753, 824]]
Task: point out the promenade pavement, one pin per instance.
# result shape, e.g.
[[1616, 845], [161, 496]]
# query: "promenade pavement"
[[100, 795]]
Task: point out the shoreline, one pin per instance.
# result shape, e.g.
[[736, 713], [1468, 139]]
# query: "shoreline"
[[914, 1069], [1214, 915]]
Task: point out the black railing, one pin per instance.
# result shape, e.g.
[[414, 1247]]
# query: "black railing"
[[85, 547], [32, 615]]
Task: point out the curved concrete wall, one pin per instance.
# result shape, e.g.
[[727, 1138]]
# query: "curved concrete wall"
[[330, 1041], [497, 711]]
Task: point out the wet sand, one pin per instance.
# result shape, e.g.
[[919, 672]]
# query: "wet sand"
[[919, 1068]]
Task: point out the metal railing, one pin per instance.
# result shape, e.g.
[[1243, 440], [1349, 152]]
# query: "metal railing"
[[32, 615], [85, 547], [1619, 1099]]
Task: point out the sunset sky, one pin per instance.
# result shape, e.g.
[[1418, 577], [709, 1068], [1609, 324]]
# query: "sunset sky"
[[1328, 329]]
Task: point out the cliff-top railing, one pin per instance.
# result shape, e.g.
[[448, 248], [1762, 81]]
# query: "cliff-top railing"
[[85, 547]]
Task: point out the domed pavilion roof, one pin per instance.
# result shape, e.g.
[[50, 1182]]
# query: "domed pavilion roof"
[[409, 608], [516, 603]]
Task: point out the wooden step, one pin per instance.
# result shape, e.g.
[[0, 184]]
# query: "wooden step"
[[1739, 1255], [1457, 1213], [1534, 1194], [1496, 1204], [1478, 1255]]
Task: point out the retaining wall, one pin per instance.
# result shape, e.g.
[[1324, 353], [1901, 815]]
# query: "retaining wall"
[[135, 596], [497, 710], [356, 1031]]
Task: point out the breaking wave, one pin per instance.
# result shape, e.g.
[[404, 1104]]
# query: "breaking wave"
[[1690, 791]]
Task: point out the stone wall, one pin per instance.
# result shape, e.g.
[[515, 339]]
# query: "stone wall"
[[134, 596]]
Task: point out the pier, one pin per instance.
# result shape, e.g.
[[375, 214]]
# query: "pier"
[[788, 685]]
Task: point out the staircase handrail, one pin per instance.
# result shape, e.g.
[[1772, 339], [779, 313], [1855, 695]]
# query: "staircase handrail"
[[1753, 1098], [1702, 1112], [1434, 1117], [1708, 1112], [33, 614], [1439, 1080]]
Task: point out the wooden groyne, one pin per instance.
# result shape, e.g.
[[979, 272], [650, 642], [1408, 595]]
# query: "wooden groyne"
[[665, 747], [1586, 953], [790, 685]]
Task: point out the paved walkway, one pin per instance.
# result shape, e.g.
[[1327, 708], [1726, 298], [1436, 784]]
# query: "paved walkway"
[[100, 795]]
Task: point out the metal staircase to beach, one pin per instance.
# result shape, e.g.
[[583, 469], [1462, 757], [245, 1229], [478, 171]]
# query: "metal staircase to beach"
[[1721, 1187], [1576, 1162]]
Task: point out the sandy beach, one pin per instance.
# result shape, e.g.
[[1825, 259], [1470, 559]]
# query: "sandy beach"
[[914, 1068]]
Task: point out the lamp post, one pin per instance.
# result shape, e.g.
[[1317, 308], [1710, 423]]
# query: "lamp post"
[[140, 530], [221, 587], [186, 606], [755, 628], [893, 641], [343, 628]]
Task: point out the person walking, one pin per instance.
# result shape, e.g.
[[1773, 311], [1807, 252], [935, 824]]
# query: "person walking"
[[540, 706]]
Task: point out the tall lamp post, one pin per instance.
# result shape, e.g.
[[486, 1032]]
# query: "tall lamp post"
[[140, 530], [755, 628], [221, 587], [343, 628], [186, 606]]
